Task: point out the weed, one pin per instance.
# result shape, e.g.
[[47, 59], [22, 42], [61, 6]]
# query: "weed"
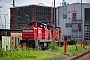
[[53, 46]]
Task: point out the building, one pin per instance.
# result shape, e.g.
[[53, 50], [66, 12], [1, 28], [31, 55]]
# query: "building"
[[74, 20], [21, 16], [7, 32]]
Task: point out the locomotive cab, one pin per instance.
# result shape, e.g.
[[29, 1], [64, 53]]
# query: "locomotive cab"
[[33, 32], [33, 24]]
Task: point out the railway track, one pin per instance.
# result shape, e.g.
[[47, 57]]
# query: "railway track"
[[83, 56]]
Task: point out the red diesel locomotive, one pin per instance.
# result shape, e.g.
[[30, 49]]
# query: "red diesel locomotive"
[[40, 34]]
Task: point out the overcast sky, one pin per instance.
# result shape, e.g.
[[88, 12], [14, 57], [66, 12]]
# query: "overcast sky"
[[6, 4]]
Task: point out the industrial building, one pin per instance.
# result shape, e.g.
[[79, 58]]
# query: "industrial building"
[[74, 20], [21, 16]]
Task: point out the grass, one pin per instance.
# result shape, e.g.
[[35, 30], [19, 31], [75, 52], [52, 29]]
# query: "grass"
[[31, 54]]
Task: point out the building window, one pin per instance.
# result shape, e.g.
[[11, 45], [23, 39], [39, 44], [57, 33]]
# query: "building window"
[[65, 11], [68, 25], [74, 16]]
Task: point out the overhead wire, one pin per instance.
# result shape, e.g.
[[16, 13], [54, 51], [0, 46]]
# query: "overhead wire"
[[23, 12], [4, 7], [17, 8], [5, 10], [5, 4]]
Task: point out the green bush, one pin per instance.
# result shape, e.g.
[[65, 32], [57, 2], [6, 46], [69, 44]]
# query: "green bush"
[[0, 43], [2, 52], [53, 46]]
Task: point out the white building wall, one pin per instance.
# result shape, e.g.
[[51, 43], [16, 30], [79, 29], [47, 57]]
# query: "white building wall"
[[70, 8]]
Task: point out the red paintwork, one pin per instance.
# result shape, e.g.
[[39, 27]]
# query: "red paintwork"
[[24, 46], [44, 33], [51, 31], [39, 34], [79, 27], [58, 34], [41, 31], [74, 16], [30, 35], [49, 34], [65, 47]]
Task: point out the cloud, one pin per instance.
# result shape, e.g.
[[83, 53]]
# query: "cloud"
[[79, 1], [86, 1], [29, 2]]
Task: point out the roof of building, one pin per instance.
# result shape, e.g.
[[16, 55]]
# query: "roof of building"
[[45, 6], [30, 5], [77, 3]]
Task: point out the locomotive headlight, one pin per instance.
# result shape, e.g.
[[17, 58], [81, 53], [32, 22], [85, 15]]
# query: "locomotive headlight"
[[41, 26]]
